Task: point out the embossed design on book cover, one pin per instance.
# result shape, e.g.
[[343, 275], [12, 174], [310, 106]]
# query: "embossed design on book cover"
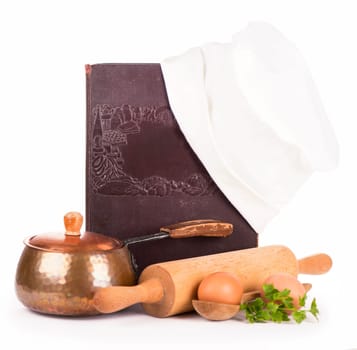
[[110, 129]]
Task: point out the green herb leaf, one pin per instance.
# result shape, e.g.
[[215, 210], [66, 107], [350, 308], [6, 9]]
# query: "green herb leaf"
[[299, 316], [313, 308], [272, 307], [269, 290], [277, 306], [302, 300]]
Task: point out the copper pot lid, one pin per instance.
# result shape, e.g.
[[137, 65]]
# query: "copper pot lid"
[[72, 240]]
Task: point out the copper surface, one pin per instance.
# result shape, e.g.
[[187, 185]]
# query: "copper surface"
[[63, 283], [86, 242], [72, 240]]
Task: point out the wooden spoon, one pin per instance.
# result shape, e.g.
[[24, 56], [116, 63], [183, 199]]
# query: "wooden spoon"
[[219, 312]]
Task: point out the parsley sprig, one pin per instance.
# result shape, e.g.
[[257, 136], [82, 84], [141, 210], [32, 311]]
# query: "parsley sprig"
[[277, 306]]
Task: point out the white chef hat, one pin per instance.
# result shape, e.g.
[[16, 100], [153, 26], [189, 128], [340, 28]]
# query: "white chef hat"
[[251, 112]]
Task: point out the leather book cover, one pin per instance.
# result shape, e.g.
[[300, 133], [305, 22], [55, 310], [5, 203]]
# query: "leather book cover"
[[141, 173]]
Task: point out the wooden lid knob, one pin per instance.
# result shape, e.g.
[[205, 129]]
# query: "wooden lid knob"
[[73, 222]]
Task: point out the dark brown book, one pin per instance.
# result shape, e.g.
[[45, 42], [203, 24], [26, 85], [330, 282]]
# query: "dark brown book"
[[142, 174]]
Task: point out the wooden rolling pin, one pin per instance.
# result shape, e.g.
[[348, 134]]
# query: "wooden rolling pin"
[[168, 288]]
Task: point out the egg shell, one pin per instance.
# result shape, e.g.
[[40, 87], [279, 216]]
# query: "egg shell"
[[221, 287], [282, 281]]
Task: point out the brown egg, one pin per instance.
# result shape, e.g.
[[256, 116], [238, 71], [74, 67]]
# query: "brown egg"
[[221, 287], [283, 281]]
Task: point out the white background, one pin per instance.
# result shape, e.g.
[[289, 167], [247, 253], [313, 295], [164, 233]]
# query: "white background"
[[44, 46]]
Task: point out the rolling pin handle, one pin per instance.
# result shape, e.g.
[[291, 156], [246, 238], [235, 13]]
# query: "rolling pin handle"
[[315, 264], [116, 298]]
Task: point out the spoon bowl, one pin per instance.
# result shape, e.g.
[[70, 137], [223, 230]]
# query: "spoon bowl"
[[219, 311], [215, 311]]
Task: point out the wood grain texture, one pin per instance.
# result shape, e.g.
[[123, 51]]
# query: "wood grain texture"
[[315, 264], [120, 297], [168, 288], [180, 279], [196, 228]]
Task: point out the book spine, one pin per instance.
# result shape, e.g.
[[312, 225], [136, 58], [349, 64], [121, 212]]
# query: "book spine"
[[88, 71]]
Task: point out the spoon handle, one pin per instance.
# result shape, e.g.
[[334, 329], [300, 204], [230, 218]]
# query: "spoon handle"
[[248, 296]]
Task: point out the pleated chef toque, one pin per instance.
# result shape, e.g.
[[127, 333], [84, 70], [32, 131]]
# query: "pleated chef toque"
[[251, 112]]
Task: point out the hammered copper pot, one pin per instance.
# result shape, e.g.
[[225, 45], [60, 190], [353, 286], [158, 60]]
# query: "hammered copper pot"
[[59, 273]]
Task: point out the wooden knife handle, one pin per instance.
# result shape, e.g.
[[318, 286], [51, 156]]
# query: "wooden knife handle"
[[194, 228]]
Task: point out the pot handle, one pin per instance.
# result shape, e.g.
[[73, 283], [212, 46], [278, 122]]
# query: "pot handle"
[[194, 228], [73, 222]]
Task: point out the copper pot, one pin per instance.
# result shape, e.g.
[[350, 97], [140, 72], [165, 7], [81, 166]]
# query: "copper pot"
[[59, 273]]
